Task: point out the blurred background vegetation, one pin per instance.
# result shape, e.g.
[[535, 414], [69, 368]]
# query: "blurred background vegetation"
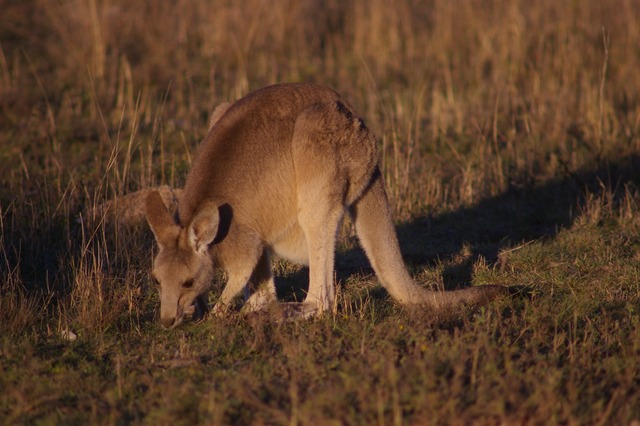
[[467, 98]]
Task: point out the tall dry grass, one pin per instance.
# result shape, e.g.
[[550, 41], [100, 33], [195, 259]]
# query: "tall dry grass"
[[468, 99], [509, 139]]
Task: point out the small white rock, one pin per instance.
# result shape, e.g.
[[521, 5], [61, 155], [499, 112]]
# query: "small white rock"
[[68, 335]]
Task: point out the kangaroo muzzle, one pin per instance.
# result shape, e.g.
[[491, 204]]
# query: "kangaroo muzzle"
[[168, 322]]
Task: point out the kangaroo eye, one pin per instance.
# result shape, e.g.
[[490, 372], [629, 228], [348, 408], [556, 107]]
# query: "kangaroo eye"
[[187, 284], [155, 281]]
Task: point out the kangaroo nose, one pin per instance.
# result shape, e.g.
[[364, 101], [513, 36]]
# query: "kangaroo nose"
[[167, 322]]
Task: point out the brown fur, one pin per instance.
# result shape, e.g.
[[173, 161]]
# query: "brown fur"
[[275, 175]]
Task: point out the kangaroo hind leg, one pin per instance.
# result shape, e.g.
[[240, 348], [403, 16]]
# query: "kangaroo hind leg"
[[320, 219], [322, 182]]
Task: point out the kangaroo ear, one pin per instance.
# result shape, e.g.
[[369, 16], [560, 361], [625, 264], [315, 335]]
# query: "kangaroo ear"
[[160, 220], [217, 113], [204, 226]]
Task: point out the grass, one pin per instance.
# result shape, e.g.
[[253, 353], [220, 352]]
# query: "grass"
[[509, 139]]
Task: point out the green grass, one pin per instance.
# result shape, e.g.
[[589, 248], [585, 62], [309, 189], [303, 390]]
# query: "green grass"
[[509, 139]]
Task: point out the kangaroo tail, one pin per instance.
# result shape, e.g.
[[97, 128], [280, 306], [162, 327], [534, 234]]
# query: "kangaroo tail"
[[377, 234]]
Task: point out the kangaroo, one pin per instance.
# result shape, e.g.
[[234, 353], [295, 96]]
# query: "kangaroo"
[[275, 174]]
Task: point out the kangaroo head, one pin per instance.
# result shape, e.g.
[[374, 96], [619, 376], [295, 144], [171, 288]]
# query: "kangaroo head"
[[183, 268]]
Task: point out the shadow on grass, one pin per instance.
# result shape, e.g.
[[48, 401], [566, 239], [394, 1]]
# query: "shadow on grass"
[[522, 214]]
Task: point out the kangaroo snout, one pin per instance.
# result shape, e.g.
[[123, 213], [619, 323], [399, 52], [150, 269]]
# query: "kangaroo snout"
[[168, 322], [169, 318]]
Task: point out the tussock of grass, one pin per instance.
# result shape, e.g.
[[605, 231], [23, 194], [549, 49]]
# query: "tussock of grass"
[[508, 135]]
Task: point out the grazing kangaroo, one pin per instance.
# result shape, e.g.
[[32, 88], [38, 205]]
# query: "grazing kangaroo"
[[275, 174]]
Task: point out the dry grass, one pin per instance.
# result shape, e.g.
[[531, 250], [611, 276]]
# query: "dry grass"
[[509, 138]]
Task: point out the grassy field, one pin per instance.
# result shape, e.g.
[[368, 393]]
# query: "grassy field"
[[509, 135]]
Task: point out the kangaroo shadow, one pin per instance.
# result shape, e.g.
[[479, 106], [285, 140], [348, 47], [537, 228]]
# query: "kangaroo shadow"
[[523, 213]]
